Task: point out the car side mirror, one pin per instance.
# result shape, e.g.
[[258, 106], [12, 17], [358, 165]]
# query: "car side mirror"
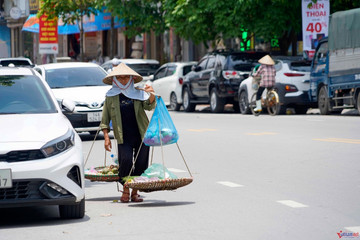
[[67, 105], [197, 68]]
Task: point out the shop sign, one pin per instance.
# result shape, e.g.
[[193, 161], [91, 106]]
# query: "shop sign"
[[48, 36], [34, 6], [315, 22]]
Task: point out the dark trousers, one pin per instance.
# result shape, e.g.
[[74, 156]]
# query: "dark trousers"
[[126, 156], [259, 93]]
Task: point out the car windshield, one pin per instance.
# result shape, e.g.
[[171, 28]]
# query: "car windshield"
[[75, 77], [144, 69], [24, 94]]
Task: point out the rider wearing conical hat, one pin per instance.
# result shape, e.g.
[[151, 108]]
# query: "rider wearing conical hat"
[[267, 73]]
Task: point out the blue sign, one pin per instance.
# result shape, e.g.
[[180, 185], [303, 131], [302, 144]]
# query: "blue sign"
[[99, 22]]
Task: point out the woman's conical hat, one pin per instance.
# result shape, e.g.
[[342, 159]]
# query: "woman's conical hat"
[[121, 70], [267, 60]]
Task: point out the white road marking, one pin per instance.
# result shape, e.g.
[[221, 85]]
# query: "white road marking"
[[230, 184], [355, 229], [176, 170], [292, 204]]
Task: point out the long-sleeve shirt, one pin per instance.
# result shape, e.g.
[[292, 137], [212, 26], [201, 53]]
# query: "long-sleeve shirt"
[[111, 111], [267, 74]]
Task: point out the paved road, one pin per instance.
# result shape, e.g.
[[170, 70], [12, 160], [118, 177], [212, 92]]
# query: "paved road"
[[282, 177]]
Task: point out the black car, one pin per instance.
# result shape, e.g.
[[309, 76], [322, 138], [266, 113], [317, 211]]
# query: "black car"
[[216, 79]]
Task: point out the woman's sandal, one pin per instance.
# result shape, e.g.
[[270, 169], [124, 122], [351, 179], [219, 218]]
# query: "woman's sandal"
[[125, 197], [136, 198]]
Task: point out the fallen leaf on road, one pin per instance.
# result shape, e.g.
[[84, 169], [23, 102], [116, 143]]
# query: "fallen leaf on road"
[[106, 215]]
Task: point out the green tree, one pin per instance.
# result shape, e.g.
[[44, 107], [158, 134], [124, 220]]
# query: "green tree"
[[139, 16], [70, 11]]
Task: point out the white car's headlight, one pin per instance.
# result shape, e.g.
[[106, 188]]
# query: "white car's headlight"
[[59, 145]]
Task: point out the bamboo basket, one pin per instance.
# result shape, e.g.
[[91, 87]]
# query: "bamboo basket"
[[159, 185], [102, 177]]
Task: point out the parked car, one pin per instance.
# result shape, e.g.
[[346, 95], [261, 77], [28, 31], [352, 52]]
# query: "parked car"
[[168, 80], [41, 156], [292, 85], [145, 67], [17, 61], [81, 83], [216, 79]]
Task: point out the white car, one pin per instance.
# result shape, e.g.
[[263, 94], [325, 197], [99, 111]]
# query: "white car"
[[81, 83], [292, 84], [41, 156], [145, 67], [168, 80]]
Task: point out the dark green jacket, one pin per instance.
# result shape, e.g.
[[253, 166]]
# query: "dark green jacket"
[[111, 111]]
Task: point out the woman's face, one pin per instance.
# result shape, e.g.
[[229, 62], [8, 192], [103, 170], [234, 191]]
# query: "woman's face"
[[123, 79]]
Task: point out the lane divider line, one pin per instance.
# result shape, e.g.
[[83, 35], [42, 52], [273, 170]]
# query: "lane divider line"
[[202, 130], [262, 133], [229, 184], [339, 140], [293, 204]]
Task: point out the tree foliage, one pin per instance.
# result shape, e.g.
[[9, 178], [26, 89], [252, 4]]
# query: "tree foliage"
[[139, 16], [201, 21]]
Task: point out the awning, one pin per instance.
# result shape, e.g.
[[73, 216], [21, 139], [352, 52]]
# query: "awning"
[[99, 22]]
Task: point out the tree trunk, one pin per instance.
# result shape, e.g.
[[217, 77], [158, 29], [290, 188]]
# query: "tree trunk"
[[112, 38], [81, 39]]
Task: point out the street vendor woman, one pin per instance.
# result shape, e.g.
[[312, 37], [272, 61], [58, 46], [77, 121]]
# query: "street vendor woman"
[[125, 106]]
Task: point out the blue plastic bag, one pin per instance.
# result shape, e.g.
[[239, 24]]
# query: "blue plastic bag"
[[161, 129]]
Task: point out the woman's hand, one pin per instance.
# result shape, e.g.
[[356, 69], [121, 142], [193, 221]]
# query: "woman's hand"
[[107, 143], [150, 90]]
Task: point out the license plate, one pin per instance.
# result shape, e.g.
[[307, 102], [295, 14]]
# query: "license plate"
[[94, 116], [5, 178]]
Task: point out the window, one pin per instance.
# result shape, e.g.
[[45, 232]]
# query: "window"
[[202, 64], [170, 70], [161, 73], [321, 54]]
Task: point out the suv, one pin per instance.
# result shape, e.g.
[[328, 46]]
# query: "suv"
[[216, 79]]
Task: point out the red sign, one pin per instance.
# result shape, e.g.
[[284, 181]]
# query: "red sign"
[[48, 35]]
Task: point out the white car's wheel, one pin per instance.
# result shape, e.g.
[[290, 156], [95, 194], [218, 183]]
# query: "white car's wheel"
[[173, 102], [73, 211]]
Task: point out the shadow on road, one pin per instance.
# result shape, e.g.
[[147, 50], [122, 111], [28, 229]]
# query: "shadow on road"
[[34, 216]]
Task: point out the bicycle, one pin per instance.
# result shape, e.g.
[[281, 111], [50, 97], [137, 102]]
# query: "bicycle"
[[270, 102]]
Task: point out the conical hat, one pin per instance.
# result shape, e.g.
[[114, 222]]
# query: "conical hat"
[[121, 70], [267, 60]]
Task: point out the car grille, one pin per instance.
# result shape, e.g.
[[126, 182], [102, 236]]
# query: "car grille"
[[24, 155], [24, 190]]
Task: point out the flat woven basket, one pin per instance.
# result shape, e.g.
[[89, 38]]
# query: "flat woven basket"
[[160, 185], [102, 177]]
